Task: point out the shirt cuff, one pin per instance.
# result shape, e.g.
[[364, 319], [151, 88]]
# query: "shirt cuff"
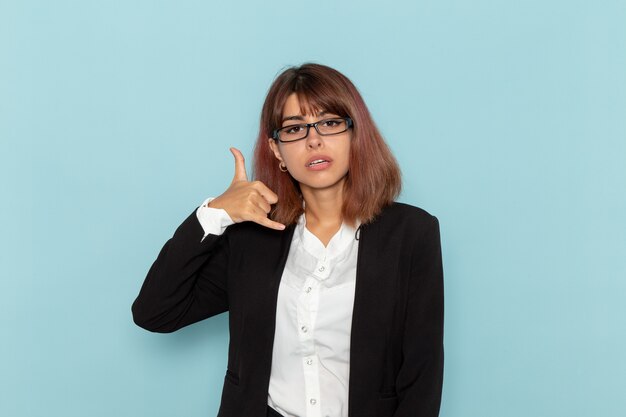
[[213, 221]]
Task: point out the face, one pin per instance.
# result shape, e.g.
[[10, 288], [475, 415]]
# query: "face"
[[316, 162]]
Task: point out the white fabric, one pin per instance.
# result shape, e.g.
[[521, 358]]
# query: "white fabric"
[[213, 221], [311, 355]]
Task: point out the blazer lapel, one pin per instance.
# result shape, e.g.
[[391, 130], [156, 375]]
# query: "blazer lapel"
[[267, 325], [366, 327]]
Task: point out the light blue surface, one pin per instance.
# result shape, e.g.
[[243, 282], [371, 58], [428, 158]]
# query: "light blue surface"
[[509, 122]]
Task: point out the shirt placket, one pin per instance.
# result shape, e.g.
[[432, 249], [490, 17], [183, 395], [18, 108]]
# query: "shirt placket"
[[308, 303]]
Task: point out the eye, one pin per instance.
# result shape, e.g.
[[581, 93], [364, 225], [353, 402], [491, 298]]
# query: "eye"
[[293, 129], [332, 122]]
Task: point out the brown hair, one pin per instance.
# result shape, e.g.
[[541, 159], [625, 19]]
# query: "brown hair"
[[373, 180]]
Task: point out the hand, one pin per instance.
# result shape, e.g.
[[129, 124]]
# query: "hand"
[[245, 200]]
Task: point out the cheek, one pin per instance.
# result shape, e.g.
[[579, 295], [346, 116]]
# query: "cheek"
[[289, 155], [346, 155]]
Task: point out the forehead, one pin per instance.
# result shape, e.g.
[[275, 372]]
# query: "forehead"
[[295, 106]]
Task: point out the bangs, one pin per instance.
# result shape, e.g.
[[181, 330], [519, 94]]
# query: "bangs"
[[313, 103], [317, 91]]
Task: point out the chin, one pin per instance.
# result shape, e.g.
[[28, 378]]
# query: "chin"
[[321, 183]]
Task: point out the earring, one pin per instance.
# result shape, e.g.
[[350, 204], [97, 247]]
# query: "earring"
[[282, 167]]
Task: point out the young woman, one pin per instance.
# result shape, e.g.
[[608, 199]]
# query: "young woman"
[[334, 291]]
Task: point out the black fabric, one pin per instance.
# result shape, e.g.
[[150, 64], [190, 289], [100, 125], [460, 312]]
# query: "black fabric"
[[273, 413], [396, 353]]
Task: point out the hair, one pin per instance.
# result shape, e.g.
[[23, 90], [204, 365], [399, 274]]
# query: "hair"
[[373, 180]]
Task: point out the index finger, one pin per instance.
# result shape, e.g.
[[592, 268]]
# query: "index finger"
[[240, 165]]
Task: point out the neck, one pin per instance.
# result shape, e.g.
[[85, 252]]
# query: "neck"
[[323, 206], [323, 211]]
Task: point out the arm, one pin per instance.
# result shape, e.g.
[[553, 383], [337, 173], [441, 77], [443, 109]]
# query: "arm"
[[419, 381], [186, 283]]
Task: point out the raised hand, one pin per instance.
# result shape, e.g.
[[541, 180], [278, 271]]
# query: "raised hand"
[[245, 200]]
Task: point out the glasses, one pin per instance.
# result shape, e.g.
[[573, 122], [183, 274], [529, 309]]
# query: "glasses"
[[326, 127]]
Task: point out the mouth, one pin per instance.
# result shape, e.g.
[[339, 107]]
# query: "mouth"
[[317, 162]]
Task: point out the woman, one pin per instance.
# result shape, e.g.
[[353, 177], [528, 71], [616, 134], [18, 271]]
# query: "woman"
[[334, 291]]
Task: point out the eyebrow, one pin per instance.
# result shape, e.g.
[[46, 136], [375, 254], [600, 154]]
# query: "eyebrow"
[[298, 117]]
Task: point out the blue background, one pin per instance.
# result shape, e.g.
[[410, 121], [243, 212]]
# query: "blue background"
[[508, 120]]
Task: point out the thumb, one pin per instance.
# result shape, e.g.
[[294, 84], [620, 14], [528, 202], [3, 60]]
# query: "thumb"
[[240, 165]]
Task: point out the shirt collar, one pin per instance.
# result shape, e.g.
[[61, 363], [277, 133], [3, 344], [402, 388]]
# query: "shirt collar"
[[338, 244]]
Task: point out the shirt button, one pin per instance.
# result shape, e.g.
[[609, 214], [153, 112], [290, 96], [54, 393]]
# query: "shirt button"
[[309, 361], [313, 401], [304, 329], [321, 269], [308, 289]]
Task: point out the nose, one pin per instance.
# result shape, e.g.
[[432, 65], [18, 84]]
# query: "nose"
[[313, 139]]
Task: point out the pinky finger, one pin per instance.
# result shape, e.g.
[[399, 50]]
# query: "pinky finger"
[[264, 221]]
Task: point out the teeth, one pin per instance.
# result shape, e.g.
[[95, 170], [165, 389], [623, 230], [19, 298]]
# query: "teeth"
[[317, 161]]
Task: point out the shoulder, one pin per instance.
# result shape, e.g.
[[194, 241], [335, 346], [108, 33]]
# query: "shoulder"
[[403, 227], [406, 216], [397, 208]]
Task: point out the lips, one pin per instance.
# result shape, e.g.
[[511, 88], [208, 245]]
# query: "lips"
[[318, 161]]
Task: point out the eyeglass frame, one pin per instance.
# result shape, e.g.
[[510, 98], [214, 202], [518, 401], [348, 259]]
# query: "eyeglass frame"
[[349, 124]]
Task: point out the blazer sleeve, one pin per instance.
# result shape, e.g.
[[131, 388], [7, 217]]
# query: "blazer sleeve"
[[420, 378], [186, 283]]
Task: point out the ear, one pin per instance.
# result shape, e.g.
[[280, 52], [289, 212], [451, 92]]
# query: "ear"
[[274, 148]]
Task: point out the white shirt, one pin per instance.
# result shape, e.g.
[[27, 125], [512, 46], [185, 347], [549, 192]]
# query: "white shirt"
[[311, 355]]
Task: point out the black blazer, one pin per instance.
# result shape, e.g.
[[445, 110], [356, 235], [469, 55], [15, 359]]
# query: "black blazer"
[[396, 354]]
